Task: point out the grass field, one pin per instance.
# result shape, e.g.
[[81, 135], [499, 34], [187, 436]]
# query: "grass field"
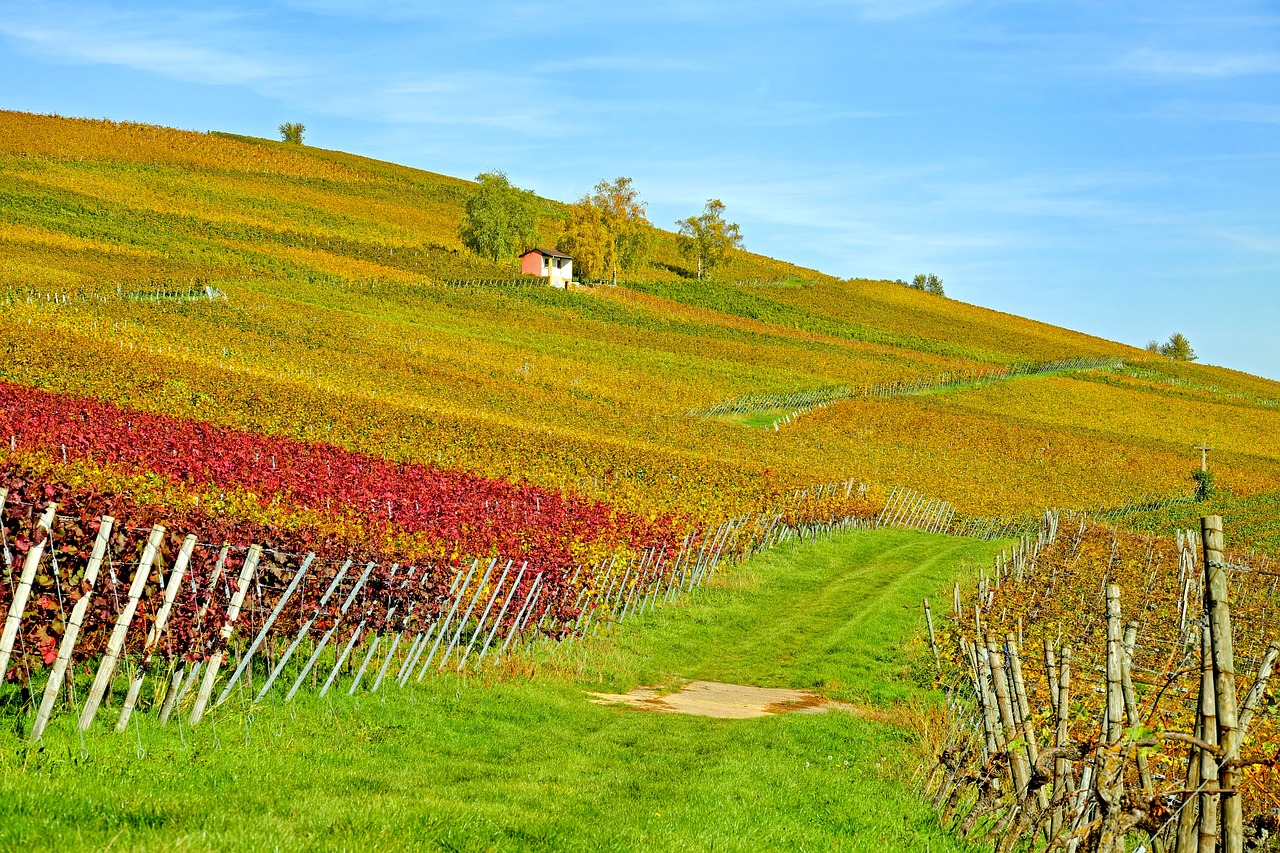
[[528, 763]]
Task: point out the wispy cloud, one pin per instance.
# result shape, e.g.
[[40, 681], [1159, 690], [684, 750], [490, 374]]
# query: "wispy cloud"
[[179, 45], [647, 63], [509, 102], [1246, 112], [1186, 63]]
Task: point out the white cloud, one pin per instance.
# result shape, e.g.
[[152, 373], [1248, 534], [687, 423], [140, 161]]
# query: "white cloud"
[[178, 45], [1246, 112], [1212, 65]]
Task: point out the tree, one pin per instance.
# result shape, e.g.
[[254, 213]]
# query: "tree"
[[499, 219], [625, 223], [707, 238], [928, 283], [585, 238], [291, 131], [1177, 348], [607, 230]]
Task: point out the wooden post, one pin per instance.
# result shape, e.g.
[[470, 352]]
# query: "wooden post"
[[224, 635], [1224, 678], [1000, 683], [1209, 781], [521, 615], [456, 600], [1062, 767], [68, 643], [462, 623], [484, 617], [933, 639], [1023, 707], [1187, 840], [193, 671], [13, 621], [1254, 696], [1115, 665], [503, 612], [107, 668], [1131, 704], [157, 630]]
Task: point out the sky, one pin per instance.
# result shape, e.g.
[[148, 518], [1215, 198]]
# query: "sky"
[[1108, 167]]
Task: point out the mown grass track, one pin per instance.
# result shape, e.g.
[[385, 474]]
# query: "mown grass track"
[[528, 763]]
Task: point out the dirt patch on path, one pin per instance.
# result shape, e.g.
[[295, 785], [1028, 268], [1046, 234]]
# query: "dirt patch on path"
[[726, 701]]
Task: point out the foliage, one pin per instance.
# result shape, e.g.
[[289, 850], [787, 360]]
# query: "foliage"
[[1177, 348], [1057, 597], [586, 238], [626, 226], [928, 283], [1204, 484], [707, 238], [291, 132], [332, 331], [498, 219]]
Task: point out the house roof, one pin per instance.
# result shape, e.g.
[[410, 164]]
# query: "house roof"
[[549, 253]]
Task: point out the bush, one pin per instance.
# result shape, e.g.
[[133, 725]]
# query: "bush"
[[1204, 484]]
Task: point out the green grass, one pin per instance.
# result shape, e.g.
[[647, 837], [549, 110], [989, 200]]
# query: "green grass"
[[460, 764]]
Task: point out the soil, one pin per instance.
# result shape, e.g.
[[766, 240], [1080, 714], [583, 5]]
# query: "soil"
[[726, 701]]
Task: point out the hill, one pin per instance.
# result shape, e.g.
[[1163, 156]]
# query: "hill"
[[334, 321]]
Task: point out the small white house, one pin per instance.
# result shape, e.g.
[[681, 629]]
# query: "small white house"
[[556, 267]]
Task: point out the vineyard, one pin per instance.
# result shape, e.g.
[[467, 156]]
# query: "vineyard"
[[269, 432], [1107, 685]]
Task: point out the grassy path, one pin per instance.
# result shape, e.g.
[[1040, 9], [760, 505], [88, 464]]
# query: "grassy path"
[[530, 764]]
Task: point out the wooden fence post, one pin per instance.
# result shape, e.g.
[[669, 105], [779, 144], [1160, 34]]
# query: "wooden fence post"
[[69, 638], [107, 667], [328, 635], [224, 635], [13, 621], [1224, 677], [933, 639], [157, 630], [1209, 781]]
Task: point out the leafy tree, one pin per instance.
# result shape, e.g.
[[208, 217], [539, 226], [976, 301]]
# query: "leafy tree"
[[707, 238], [586, 238], [291, 131], [1153, 346], [499, 219], [929, 284], [625, 223], [607, 230], [1177, 348]]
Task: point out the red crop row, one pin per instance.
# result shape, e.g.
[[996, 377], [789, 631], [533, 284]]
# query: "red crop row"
[[390, 594], [456, 511]]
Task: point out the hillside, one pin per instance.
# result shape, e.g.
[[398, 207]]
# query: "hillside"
[[335, 323]]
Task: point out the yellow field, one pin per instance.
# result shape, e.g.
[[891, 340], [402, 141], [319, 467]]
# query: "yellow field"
[[332, 325]]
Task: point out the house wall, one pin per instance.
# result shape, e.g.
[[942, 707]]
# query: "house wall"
[[561, 270], [531, 264]]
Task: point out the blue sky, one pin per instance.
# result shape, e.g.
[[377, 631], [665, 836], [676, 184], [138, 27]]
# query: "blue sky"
[[1113, 168]]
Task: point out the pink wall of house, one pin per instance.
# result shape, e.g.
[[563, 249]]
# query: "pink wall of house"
[[531, 263]]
